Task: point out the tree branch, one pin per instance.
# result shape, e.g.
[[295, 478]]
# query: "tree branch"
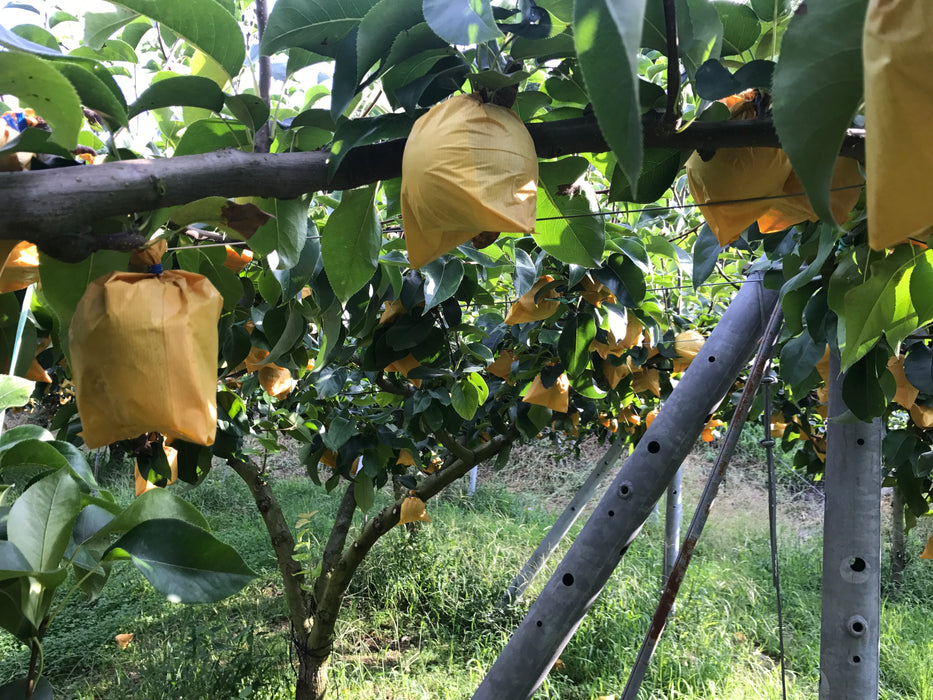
[[263, 140], [54, 207], [336, 541], [283, 543], [330, 597]]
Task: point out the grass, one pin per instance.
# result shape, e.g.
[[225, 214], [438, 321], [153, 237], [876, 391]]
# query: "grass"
[[420, 619]]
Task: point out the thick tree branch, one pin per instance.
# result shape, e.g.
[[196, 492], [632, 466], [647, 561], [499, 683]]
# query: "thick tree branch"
[[336, 541], [283, 543], [54, 208], [329, 599]]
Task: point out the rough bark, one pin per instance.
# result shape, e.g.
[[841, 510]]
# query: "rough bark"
[[55, 208]]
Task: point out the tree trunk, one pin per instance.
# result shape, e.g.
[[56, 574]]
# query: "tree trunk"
[[851, 615], [898, 551], [312, 675], [603, 541]]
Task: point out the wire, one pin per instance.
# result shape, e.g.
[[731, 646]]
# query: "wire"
[[673, 207]]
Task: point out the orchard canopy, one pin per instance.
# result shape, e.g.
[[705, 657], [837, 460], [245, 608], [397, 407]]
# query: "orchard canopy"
[[584, 187]]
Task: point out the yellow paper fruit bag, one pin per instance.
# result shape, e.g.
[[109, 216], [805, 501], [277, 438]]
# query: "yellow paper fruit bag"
[[525, 310], [144, 357], [556, 397], [20, 265], [897, 53], [469, 167], [763, 176]]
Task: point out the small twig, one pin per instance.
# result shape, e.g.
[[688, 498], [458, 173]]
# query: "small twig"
[[386, 384], [455, 448], [673, 66], [262, 143], [372, 104]]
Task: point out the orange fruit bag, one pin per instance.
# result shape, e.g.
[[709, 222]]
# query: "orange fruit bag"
[[896, 54], [469, 167], [144, 357]]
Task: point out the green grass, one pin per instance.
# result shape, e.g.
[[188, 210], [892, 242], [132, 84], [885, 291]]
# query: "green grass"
[[420, 619]]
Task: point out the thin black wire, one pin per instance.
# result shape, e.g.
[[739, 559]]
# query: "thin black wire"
[[768, 443], [672, 207]]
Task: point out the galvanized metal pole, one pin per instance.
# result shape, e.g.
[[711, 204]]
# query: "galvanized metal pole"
[[673, 514], [561, 526], [620, 514], [851, 621]]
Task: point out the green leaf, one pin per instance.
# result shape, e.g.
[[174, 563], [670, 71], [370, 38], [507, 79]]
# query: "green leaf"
[[209, 261], [250, 110], [769, 10], [63, 284], [153, 505], [607, 37], [360, 132], [313, 26], [363, 491], [183, 562], [96, 94], [482, 389], [463, 22], [350, 242], [714, 81], [379, 29], [560, 230], [882, 305], [285, 234], [100, 26], [12, 561], [441, 280], [817, 90], [574, 344], [204, 23], [464, 399], [41, 519], [294, 329], [37, 84], [659, 169], [187, 90], [206, 135], [918, 367], [12, 40], [706, 252], [699, 33], [740, 26], [338, 432], [34, 140], [867, 385], [14, 391], [798, 362]]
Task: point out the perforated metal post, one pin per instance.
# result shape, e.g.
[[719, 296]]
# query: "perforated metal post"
[[561, 526], [673, 514], [620, 514], [851, 621]]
